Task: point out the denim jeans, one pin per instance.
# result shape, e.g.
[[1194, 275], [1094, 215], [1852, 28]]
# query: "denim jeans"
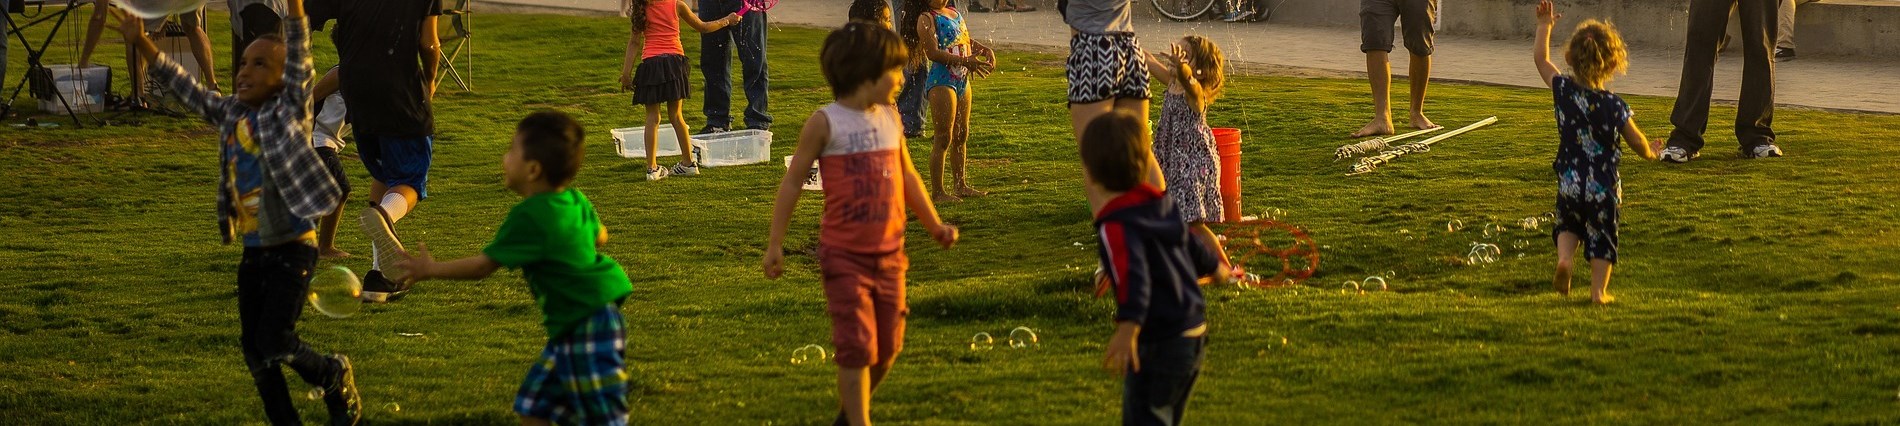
[[273, 283], [715, 63], [1157, 395]]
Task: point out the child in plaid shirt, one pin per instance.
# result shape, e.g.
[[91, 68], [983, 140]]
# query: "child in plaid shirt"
[[271, 185], [554, 237]]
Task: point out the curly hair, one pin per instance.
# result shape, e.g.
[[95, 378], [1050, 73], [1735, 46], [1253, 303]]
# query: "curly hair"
[[872, 11], [1596, 53], [1208, 65]]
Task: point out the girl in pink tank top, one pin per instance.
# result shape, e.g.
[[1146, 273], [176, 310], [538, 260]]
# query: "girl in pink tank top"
[[661, 77]]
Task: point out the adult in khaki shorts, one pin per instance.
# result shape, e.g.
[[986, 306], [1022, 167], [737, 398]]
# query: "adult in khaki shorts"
[[1420, 19]]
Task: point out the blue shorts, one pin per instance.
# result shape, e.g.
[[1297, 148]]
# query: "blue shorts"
[[580, 378], [395, 160]]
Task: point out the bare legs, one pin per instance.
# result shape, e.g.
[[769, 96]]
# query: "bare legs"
[[1081, 114], [1379, 73], [326, 235], [950, 114], [1599, 270]]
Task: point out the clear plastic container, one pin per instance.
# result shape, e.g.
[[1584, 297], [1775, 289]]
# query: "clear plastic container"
[[631, 141], [732, 148]]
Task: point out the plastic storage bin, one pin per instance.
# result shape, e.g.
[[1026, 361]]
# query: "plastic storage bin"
[[631, 141], [733, 148]]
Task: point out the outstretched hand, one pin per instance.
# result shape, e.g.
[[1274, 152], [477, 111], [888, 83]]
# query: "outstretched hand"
[[131, 27], [1547, 13], [419, 264]]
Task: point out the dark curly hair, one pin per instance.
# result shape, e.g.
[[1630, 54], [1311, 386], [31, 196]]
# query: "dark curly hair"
[[637, 10]]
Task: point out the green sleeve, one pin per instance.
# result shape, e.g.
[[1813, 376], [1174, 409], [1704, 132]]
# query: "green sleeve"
[[520, 241]]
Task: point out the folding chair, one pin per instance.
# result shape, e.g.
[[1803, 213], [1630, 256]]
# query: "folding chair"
[[462, 38]]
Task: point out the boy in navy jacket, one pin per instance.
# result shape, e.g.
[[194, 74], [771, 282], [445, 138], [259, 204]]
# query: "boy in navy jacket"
[[1154, 265]]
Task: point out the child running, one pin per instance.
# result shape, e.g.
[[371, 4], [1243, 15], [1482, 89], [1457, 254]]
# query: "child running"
[[1194, 71], [1589, 120], [869, 180], [554, 237], [661, 78], [1154, 265], [271, 185], [941, 36]]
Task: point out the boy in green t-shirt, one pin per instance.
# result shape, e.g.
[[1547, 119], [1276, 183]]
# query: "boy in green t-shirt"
[[553, 236]]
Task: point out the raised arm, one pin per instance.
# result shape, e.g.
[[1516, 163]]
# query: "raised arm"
[[692, 19], [297, 65], [208, 103], [1540, 52], [811, 143]]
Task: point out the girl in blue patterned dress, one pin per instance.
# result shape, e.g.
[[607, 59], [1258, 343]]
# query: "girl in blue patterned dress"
[[1194, 70], [936, 31], [1590, 118]]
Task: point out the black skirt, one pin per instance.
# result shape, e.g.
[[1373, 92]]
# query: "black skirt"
[[660, 79]]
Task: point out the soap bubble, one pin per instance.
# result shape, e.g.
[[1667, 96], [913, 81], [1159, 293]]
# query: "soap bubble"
[[1024, 338], [1521, 244], [150, 9], [1354, 285], [982, 342], [1375, 278], [336, 292], [808, 353], [1391, 274], [1454, 225], [315, 393], [1493, 231], [392, 407]]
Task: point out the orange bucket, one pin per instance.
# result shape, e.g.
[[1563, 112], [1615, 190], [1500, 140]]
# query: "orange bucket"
[[1227, 143]]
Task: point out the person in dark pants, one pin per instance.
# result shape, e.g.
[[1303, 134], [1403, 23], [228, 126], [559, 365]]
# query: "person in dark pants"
[[1756, 111], [715, 64]]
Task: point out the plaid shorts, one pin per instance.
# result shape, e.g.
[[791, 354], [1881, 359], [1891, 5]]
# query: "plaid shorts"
[[1105, 67], [580, 378]]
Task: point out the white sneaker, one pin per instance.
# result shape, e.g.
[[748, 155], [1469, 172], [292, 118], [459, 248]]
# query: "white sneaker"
[[1676, 154], [657, 173], [385, 246], [1764, 151], [683, 169]]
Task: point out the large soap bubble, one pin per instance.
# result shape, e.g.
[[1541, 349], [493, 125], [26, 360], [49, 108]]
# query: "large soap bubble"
[[150, 9]]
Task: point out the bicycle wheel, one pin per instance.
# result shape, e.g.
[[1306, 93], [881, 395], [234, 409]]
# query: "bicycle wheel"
[[1183, 10]]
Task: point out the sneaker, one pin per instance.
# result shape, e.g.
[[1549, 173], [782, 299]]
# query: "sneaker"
[[346, 407], [379, 289], [1240, 17], [1784, 55], [1676, 154], [1764, 151], [387, 248], [711, 130], [683, 169], [657, 173]]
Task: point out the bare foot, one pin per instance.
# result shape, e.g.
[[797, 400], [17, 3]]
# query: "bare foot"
[[1420, 122], [970, 192], [1378, 126], [1563, 280], [1602, 299], [332, 253], [944, 198]]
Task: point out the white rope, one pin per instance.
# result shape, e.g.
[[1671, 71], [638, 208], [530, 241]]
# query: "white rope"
[[1374, 144]]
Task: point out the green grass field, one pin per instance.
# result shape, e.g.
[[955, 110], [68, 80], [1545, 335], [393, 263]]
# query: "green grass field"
[[1749, 291]]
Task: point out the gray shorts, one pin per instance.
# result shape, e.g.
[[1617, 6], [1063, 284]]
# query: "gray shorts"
[[1377, 16], [184, 21]]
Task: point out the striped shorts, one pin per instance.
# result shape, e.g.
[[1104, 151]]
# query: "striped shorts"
[[580, 378], [1106, 67]]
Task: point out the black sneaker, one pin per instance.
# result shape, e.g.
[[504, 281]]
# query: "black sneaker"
[[1784, 55], [346, 407], [377, 289], [710, 130]]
